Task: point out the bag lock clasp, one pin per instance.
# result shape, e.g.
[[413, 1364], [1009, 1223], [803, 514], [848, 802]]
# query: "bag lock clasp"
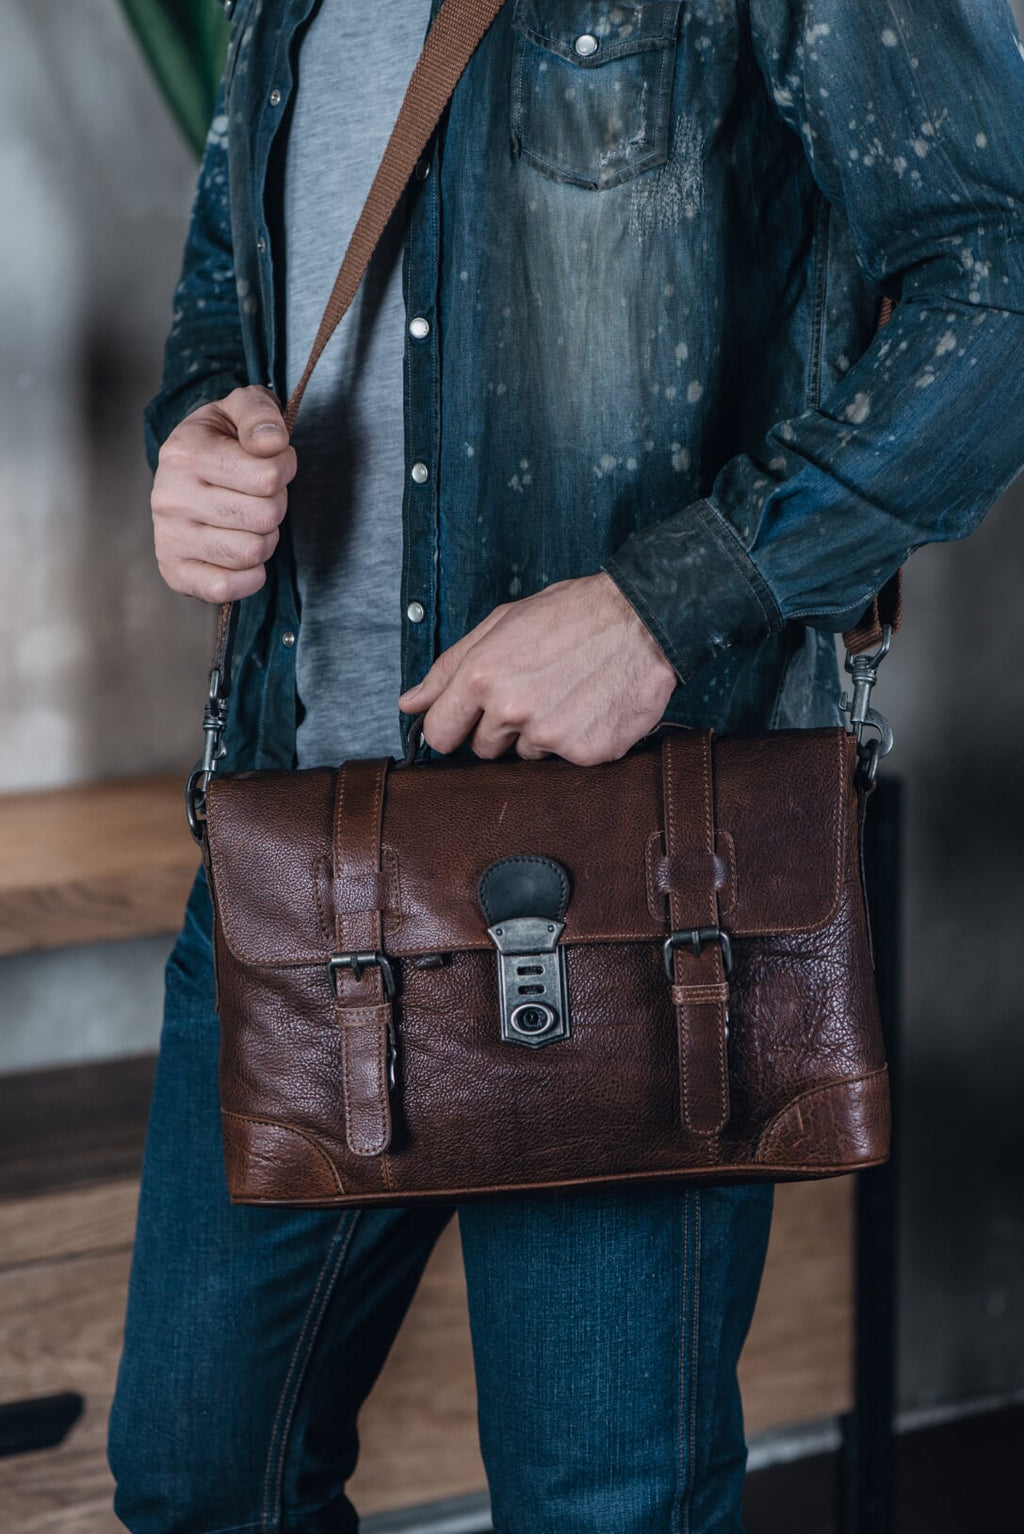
[[524, 899]]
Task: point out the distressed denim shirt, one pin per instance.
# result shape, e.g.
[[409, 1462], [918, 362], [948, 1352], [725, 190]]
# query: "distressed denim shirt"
[[650, 244]]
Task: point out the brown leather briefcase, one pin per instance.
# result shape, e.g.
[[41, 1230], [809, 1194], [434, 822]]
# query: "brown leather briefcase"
[[461, 977], [449, 979]]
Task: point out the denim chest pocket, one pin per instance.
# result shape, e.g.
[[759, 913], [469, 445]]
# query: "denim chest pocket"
[[592, 87]]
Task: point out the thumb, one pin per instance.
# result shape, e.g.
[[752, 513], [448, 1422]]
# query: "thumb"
[[259, 422], [420, 697]]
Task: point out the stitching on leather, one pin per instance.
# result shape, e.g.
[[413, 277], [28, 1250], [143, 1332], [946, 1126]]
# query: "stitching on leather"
[[360, 1145], [394, 916], [339, 805], [300, 1361], [321, 865], [656, 901], [731, 888], [719, 1031], [718, 962], [700, 995], [248, 1118], [708, 1172], [770, 1132], [373, 1115], [671, 845]]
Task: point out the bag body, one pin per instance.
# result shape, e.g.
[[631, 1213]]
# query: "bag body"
[[686, 991]]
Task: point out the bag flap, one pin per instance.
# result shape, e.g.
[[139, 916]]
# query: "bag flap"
[[785, 812]]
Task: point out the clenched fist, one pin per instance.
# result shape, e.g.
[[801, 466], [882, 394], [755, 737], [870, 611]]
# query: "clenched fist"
[[220, 495]]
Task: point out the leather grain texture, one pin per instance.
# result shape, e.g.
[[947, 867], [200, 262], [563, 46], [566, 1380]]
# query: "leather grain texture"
[[774, 1071]]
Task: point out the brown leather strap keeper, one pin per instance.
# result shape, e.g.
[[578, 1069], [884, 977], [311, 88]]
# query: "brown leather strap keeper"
[[699, 992], [886, 611], [364, 1005], [671, 875]]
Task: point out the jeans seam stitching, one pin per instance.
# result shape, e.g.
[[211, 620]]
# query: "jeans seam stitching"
[[694, 1359], [680, 1449], [279, 1434], [241, 1528]]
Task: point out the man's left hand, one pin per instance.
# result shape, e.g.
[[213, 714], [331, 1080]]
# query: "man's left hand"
[[570, 672]]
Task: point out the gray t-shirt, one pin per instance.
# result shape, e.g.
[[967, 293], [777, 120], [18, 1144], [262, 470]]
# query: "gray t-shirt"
[[345, 503]]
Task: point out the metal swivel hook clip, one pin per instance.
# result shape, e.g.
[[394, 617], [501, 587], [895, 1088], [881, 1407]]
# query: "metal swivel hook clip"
[[864, 671], [214, 723]]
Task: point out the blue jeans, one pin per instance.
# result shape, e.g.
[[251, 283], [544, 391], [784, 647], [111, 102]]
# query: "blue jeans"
[[606, 1331]]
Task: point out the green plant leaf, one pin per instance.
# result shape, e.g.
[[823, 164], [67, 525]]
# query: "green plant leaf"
[[185, 42]]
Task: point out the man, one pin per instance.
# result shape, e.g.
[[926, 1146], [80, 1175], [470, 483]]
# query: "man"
[[606, 440]]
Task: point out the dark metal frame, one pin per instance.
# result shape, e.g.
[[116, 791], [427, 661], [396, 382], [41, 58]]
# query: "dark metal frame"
[[869, 1437]]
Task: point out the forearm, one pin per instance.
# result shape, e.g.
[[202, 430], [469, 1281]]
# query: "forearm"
[[910, 126], [910, 449]]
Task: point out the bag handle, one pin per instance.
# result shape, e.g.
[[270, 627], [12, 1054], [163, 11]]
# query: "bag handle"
[[457, 31]]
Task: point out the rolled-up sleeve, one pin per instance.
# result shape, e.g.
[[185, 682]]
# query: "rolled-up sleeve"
[[911, 115], [203, 356]]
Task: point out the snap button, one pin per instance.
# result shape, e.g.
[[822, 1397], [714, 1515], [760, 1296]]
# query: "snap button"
[[275, 97], [261, 244], [415, 612], [586, 45], [419, 328], [288, 639], [422, 169], [420, 473]]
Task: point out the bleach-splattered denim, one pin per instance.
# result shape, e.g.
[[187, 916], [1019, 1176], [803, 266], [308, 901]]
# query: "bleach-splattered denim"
[[651, 270]]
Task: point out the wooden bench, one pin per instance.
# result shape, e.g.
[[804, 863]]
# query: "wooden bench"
[[70, 1148], [93, 863]]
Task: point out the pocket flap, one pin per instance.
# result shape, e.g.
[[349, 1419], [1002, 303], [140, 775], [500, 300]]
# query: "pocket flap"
[[617, 28]]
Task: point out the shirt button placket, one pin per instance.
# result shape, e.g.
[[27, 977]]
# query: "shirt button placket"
[[419, 610]]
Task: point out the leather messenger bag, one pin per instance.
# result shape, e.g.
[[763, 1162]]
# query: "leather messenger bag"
[[448, 979]]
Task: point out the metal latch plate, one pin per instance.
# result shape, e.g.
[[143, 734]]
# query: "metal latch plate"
[[531, 981]]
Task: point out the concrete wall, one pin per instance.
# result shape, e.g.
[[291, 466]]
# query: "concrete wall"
[[103, 667], [104, 675]]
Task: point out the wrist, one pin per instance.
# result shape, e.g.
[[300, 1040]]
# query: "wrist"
[[639, 634]]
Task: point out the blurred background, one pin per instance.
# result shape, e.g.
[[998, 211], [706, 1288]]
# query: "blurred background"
[[102, 108]]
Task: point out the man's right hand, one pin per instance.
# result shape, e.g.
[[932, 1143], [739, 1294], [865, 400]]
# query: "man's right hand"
[[220, 495]]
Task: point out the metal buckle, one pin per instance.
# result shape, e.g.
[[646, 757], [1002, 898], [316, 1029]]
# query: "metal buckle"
[[215, 718], [694, 939], [357, 962]]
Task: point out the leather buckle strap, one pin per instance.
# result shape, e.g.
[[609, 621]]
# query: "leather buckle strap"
[[360, 973], [698, 956]]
